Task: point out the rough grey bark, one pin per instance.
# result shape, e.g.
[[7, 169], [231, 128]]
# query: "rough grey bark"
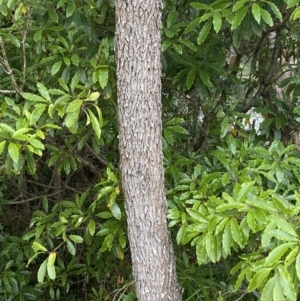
[[139, 101]]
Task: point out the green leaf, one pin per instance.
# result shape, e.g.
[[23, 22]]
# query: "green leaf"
[[51, 259], [246, 188], [277, 253], [36, 143], [190, 79], [13, 151], [259, 278], [34, 98], [116, 211], [53, 15], [2, 145], [71, 247], [199, 6], [172, 18], [275, 10], [93, 96], [51, 272], [239, 17], [74, 105], [287, 284], [291, 3], [227, 238], [201, 252], [168, 136], [236, 232], [43, 91], [71, 118], [76, 238], [192, 25], [256, 12], [92, 227], [297, 266], [267, 235], [205, 78], [181, 233], [267, 293], [103, 76], [266, 16], [70, 9], [204, 33], [56, 67], [239, 4], [217, 21], [42, 271], [197, 215], [95, 124], [37, 113], [38, 247]]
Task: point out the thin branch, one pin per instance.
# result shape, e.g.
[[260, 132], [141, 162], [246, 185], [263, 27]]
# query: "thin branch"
[[31, 199], [102, 160], [7, 68]]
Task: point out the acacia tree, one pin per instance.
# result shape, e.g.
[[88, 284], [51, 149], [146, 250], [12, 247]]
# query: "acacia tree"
[[140, 125]]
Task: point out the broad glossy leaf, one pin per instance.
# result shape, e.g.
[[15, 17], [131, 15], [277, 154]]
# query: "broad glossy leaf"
[[201, 252], [256, 12], [203, 34], [70, 9], [190, 79], [267, 235], [37, 113], [34, 98], [74, 105], [217, 21], [13, 151], [199, 6], [116, 211], [275, 255], [192, 25], [236, 231], [42, 271], [51, 272], [43, 91], [51, 259], [266, 16], [239, 4], [70, 247], [227, 238], [92, 227], [197, 215], [103, 76], [172, 18], [76, 238], [239, 17], [38, 247], [2, 145], [205, 78], [95, 124], [287, 284], [246, 188], [259, 278], [275, 10], [297, 266], [267, 293], [56, 67]]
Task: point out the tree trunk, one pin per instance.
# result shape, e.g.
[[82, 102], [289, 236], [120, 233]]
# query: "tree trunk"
[[139, 99]]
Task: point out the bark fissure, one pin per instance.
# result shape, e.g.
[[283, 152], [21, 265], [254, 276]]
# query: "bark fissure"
[[139, 104]]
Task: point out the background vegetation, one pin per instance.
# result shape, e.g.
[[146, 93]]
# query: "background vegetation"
[[231, 118]]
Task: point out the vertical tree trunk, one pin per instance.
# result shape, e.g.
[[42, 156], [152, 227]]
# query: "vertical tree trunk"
[[139, 100]]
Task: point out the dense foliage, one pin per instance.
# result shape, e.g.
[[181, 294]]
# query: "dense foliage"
[[232, 178]]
